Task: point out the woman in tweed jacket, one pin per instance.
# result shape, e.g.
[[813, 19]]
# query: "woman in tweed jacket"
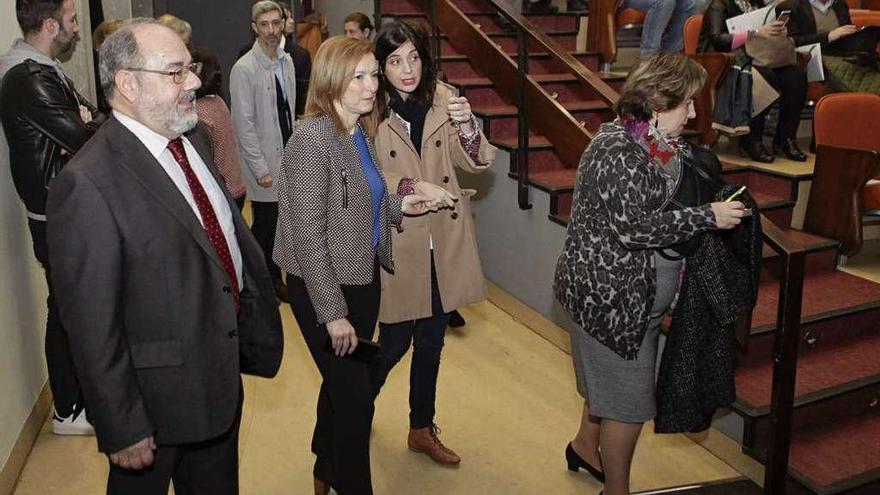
[[610, 277], [333, 234]]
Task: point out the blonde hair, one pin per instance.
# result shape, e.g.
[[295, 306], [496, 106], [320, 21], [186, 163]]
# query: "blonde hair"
[[176, 24], [660, 82], [332, 71], [104, 30]]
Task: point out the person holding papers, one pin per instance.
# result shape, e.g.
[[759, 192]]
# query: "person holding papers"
[[817, 21], [790, 81], [848, 57]]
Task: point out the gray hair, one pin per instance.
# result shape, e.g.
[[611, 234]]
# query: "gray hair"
[[264, 6], [120, 50]]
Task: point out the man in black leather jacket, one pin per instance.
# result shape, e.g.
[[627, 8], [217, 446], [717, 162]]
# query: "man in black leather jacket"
[[45, 121]]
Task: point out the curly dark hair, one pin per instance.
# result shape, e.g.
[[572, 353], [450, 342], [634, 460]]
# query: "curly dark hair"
[[390, 38]]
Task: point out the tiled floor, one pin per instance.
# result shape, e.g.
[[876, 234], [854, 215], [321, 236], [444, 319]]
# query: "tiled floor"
[[507, 404]]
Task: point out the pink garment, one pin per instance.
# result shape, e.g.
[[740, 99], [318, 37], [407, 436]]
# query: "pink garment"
[[214, 113], [739, 39]]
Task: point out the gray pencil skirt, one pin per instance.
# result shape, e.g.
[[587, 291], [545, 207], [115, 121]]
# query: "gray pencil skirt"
[[616, 388]]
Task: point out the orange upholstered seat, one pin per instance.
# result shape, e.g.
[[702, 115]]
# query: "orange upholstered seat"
[[692, 27], [629, 17], [850, 120]]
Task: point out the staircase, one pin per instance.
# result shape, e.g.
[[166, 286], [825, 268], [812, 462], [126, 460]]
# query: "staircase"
[[835, 420]]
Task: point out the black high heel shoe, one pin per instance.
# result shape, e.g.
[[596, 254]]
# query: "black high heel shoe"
[[575, 462], [790, 148], [756, 151]]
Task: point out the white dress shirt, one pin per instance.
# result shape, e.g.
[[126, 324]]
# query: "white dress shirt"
[[157, 145]]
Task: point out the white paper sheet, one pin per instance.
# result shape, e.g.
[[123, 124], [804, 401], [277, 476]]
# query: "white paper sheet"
[[751, 20], [815, 70]]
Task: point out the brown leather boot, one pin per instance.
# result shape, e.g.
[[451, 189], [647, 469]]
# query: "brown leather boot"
[[425, 440], [321, 487]]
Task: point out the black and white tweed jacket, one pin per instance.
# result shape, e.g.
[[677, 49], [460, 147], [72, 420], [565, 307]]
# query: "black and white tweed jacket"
[[325, 216], [605, 276]]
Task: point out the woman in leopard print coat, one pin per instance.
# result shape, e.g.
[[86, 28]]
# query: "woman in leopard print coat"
[[610, 278]]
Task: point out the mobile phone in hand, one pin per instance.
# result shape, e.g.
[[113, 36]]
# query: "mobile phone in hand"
[[784, 16]]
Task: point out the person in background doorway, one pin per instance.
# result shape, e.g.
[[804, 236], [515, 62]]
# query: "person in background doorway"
[[262, 87], [100, 34], [214, 113], [358, 26], [45, 122], [178, 25], [302, 59]]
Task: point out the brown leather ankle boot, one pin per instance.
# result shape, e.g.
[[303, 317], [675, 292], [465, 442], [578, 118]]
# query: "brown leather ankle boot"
[[426, 441], [321, 487]]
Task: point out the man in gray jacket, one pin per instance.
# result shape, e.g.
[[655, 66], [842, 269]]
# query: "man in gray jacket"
[[263, 90]]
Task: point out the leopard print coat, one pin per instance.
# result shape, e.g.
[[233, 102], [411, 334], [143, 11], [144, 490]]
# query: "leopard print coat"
[[605, 276]]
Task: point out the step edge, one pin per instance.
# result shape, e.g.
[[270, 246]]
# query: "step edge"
[[801, 401], [835, 313]]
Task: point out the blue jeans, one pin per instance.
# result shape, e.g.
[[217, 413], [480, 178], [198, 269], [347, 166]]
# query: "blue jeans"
[[663, 30]]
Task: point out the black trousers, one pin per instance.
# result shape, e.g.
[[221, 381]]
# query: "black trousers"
[[426, 336], [791, 83], [62, 375], [203, 468], [341, 440], [263, 228]]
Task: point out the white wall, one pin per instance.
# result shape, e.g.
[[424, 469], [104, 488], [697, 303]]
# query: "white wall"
[[116, 9], [22, 284]]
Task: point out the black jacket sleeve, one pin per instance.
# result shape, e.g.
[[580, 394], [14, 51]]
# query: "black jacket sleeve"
[[50, 109], [802, 24], [714, 36]]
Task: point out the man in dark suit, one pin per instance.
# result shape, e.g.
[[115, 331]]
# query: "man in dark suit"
[[162, 287]]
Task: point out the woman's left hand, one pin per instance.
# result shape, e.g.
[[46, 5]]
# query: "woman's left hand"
[[416, 204], [441, 197], [460, 111]]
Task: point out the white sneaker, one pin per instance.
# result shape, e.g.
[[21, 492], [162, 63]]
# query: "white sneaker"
[[75, 424]]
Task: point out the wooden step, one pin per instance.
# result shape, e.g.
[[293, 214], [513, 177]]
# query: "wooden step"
[[840, 456]]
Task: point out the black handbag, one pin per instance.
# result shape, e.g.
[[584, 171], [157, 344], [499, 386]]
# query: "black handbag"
[[699, 182]]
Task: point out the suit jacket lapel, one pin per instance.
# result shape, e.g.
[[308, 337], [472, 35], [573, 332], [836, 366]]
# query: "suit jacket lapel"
[[135, 157]]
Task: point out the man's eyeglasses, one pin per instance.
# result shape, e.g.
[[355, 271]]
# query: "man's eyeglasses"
[[177, 75], [276, 23]]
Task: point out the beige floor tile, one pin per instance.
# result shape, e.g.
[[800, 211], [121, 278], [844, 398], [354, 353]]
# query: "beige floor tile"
[[506, 403]]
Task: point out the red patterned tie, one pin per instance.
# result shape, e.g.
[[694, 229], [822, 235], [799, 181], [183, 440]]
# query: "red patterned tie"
[[209, 219]]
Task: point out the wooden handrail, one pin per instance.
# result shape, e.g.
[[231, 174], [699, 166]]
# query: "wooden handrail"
[[785, 354], [575, 67], [546, 115], [778, 240]]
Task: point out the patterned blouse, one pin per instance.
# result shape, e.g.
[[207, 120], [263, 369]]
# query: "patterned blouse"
[[214, 113], [605, 276]]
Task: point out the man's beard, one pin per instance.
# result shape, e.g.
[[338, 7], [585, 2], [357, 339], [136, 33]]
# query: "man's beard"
[[171, 117], [64, 42]]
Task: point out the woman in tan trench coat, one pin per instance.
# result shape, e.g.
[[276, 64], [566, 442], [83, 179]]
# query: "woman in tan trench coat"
[[437, 266]]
